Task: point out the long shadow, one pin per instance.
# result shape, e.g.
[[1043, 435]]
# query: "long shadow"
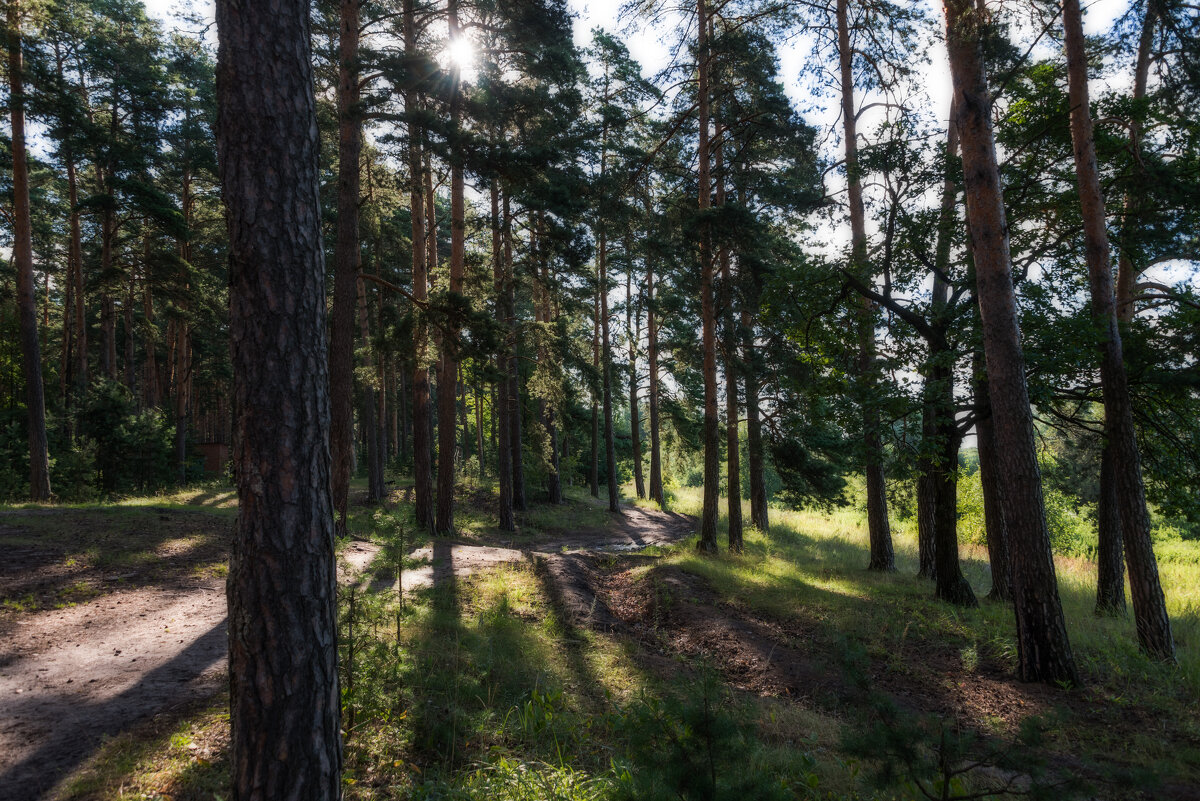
[[76, 730], [106, 549]]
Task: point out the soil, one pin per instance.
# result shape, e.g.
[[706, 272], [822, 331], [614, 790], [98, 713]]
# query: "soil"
[[111, 620]]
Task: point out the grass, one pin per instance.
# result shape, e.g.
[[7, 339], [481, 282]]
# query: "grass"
[[485, 692], [811, 568]]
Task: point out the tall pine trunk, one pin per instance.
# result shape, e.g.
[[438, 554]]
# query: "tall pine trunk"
[[656, 485], [635, 423], [708, 312], [346, 261], [882, 557], [515, 438], [284, 697], [448, 380], [1110, 551], [22, 254], [421, 441], [1149, 605], [1043, 649], [989, 477], [500, 407]]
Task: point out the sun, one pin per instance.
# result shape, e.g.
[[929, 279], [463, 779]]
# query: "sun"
[[460, 54]]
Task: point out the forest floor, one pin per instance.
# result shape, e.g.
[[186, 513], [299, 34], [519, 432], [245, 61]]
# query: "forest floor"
[[111, 616], [589, 656]]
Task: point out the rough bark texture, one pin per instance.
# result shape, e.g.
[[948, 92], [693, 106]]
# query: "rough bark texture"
[[346, 261], [882, 555], [421, 441], [1149, 605], [22, 254], [989, 476], [1043, 650], [708, 312], [285, 704]]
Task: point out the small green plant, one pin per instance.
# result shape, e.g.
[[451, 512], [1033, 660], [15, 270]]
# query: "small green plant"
[[942, 761], [698, 746]]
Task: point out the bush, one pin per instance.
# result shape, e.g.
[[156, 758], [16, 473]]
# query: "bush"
[[133, 449]]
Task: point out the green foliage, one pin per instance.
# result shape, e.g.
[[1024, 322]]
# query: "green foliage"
[[133, 448], [696, 745], [934, 759]]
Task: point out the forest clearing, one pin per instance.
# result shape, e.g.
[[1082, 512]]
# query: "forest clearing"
[[550, 665], [704, 400]]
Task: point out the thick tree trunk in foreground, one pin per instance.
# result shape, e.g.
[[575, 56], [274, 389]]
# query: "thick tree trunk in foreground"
[[1149, 605], [22, 254], [284, 699], [989, 477], [1043, 650], [708, 312], [882, 556], [346, 262]]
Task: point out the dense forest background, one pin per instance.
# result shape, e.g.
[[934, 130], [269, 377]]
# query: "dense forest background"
[[585, 167]]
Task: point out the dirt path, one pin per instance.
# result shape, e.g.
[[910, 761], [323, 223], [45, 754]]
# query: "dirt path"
[[70, 677]]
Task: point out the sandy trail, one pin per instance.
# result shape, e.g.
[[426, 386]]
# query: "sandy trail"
[[70, 677]]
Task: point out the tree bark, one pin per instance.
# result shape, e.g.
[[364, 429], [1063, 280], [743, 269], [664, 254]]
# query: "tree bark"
[[1149, 605], [610, 448], [594, 468], [449, 365], [418, 176], [553, 476], [368, 417], [733, 465], [22, 254], [989, 477], [882, 555], [500, 407], [656, 485], [284, 697], [708, 312], [346, 260], [635, 423], [515, 439], [759, 512], [1043, 649]]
